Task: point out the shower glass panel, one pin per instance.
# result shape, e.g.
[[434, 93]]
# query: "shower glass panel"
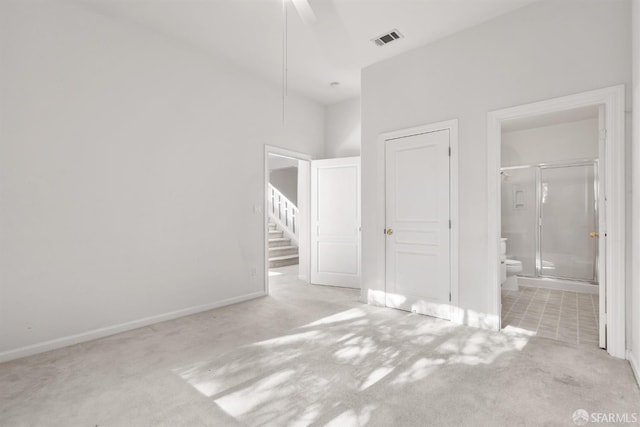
[[519, 216], [567, 217]]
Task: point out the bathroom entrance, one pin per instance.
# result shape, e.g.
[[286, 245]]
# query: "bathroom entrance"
[[549, 225], [561, 141]]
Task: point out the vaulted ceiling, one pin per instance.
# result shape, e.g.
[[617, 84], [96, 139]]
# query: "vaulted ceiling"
[[334, 46]]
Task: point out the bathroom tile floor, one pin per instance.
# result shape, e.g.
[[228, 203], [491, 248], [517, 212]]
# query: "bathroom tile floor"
[[560, 315]]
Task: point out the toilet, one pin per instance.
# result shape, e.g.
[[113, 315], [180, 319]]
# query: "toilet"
[[513, 267], [510, 268]]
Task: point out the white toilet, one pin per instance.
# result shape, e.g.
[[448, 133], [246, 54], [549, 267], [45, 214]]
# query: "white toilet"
[[510, 268]]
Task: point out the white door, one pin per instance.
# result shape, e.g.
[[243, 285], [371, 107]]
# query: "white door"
[[417, 224], [335, 222]]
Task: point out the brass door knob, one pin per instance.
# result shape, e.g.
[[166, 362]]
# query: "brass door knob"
[[594, 234], [389, 232]]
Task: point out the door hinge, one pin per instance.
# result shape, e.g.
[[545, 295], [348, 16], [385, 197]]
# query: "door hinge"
[[449, 224], [449, 296], [449, 151]]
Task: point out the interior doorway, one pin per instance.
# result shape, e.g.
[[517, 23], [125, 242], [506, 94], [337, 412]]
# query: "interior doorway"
[[421, 220], [286, 214], [417, 211], [559, 260], [312, 219], [551, 282]]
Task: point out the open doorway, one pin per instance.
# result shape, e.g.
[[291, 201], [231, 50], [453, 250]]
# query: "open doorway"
[[546, 160], [286, 215], [311, 220], [550, 228], [282, 208]]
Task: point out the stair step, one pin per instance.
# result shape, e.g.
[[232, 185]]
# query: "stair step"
[[282, 261], [275, 233], [272, 226], [279, 241], [282, 250], [283, 257]]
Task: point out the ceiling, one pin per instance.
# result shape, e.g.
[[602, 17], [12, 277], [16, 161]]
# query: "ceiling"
[[334, 47]]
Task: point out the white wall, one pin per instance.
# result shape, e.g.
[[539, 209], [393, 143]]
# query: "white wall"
[[566, 141], [343, 129], [635, 220], [304, 228], [545, 50], [115, 153], [286, 181]]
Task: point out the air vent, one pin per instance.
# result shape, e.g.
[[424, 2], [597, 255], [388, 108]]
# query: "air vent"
[[387, 38]]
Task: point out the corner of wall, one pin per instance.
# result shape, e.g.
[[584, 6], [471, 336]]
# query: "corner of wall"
[[343, 128], [635, 365]]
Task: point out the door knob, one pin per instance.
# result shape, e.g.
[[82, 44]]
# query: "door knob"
[[389, 231], [594, 234]]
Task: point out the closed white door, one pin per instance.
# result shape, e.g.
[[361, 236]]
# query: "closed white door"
[[417, 224], [335, 222]]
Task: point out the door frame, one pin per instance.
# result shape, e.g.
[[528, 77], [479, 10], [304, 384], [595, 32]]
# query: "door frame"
[[279, 151], [457, 315], [613, 100]]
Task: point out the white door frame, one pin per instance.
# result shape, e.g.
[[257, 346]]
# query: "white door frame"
[[452, 127], [278, 151], [613, 100]]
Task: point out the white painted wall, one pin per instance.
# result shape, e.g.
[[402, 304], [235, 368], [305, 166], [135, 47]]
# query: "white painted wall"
[[286, 181], [343, 129], [115, 152], [545, 50], [304, 228], [281, 162], [566, 141], [635, 219]]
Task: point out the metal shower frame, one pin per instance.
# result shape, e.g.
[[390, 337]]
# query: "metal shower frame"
[[538, 183]]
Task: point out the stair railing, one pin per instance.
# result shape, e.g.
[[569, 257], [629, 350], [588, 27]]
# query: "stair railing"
[[284, 213]]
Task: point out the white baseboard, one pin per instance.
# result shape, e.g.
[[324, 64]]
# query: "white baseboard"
[[558, 284], [635, 365], [374, 297], [336, 286], [115, 329]]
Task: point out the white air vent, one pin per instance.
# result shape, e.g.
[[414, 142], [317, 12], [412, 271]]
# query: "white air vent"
[[387, 38]]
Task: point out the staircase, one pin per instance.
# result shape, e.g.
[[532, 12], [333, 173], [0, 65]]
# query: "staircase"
[[283, 230], [282, 251]]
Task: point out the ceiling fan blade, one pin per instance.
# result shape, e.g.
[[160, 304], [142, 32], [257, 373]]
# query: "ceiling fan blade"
[[304, 10]]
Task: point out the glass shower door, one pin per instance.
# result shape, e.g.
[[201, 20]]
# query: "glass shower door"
[[568, 221]]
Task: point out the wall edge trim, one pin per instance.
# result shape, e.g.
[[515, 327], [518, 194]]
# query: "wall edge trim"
[[94, 334]]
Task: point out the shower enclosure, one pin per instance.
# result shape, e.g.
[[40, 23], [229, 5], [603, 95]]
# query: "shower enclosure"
[[550, 218]]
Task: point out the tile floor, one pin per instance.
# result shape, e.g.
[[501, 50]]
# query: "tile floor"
[[560, 315]]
